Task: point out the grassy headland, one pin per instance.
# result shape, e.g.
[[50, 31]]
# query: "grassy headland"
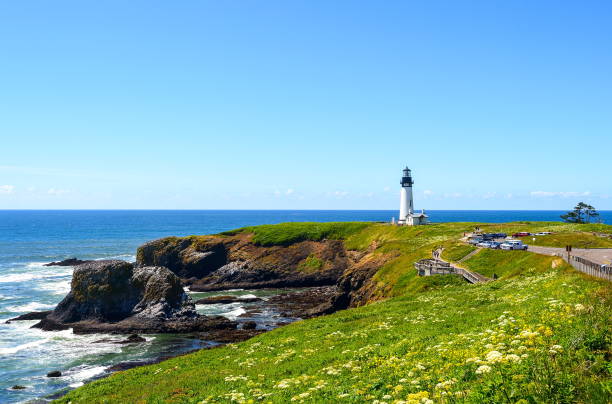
[[538, 334]]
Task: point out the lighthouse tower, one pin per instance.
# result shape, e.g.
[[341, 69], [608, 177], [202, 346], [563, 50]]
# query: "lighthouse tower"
[[406, 204], [407, 215]]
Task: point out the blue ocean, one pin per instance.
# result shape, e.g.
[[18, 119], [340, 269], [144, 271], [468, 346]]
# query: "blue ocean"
[[28, 239]]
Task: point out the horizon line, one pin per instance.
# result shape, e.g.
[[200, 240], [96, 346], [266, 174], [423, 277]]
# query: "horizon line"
[[280, 210]]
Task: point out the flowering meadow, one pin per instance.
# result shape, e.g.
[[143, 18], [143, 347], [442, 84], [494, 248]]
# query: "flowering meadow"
[[533, 336], [541, 338]]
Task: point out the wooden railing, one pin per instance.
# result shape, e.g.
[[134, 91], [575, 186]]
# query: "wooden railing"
[[428, 267], [591, 268]]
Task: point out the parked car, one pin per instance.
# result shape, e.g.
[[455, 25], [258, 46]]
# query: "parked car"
[[475, 240], [484, 244], [521, 234], [500, 235], [543, 233], [513, 245], [488, 236], [494, 245]]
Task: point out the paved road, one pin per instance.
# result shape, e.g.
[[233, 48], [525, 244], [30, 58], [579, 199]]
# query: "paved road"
[[597, 255]]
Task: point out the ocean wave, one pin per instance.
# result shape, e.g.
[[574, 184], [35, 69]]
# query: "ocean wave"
[[56, 288], [32, 306], [232, 315], [13, 350], [79, 375], [29, 274], [249, 296], [22, 277], [35, 264], [125, 257]]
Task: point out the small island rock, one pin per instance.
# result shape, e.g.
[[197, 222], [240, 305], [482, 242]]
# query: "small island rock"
[[55, 373], [70, 262]]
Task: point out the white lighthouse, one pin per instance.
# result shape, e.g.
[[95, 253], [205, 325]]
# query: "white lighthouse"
[[406, 214]]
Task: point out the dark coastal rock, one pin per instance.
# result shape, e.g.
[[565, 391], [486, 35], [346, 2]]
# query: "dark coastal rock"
[[232, 336], [34, 315], [304, 304], [18, 387], [115, 297], [184, 257], [55, 373], [227, 299], [132, 339], [70, 262], [249, 325], [250, 278]]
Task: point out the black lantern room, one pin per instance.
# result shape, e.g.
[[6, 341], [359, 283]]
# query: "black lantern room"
[[407, 178]]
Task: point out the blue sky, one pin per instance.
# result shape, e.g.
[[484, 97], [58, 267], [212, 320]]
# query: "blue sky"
[[305, 104]]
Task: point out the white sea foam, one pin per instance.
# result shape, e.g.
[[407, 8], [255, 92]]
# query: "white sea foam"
[[78, 375], [35, 270], [19, 277], [125, 257], [247, 296], [57, 288], [35, 264], [234, 313], [32, 306], [15, 349]]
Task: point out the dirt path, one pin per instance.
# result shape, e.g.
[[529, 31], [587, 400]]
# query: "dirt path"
[[597, 255]]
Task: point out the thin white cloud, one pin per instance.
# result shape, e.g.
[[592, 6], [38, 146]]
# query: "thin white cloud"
[[340, 194], [289, 191], [453, 195], [57, 192], [548, 194], [489, 195], [7, 189], [386, 189], [428, 193]]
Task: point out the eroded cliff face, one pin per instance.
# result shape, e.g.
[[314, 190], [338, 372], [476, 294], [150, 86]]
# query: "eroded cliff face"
[[209, 263]]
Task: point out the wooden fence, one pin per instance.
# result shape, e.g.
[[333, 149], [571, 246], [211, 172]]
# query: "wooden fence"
[[591, 268]]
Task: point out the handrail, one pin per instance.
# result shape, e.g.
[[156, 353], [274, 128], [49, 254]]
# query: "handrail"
[[429, 266]]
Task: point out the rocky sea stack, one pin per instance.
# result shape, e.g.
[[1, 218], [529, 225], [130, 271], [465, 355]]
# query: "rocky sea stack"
[[115, 296]]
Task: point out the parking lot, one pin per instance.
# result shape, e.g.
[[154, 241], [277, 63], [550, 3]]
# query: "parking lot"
[[497, 241]]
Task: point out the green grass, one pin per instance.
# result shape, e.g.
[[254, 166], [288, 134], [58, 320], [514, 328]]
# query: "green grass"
[[456, 251], [290, 233], [538, 334], [538, 338], [577, 240], [511, 263], [311, 264]]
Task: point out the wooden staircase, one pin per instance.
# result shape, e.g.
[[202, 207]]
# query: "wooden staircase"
[[437, 266]]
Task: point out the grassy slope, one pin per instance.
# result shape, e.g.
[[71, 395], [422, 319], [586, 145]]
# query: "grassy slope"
[[577, 240], [289, 233], [430, 342], [510, 263]]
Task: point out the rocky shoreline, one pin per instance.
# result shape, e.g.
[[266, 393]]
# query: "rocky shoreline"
[[149, 297]]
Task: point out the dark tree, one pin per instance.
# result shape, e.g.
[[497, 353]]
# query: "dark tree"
[[582, 213]]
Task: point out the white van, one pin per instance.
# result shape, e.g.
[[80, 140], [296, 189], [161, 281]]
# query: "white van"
[[513, 245]]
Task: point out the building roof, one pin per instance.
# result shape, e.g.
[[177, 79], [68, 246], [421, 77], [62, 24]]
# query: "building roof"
[[418, 215]]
